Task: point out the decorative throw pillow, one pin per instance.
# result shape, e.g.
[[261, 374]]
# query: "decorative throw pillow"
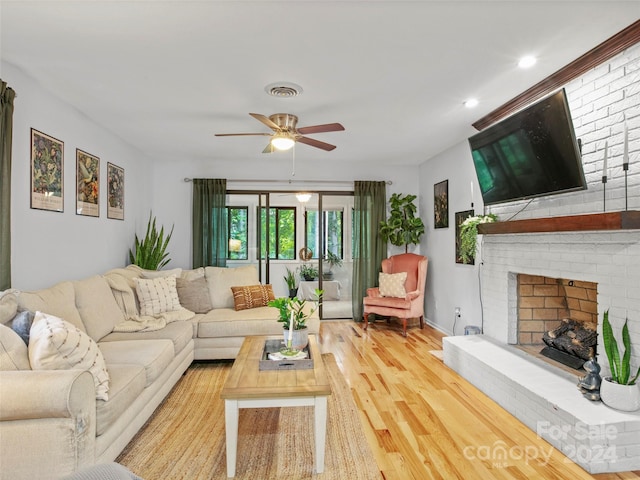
[[21, 324], [58, 345], [392, 284], [157, 295], [13, 351], [252, 296], [194, 294]]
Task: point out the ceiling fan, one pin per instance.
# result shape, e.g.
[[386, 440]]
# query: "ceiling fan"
[[286, 134]]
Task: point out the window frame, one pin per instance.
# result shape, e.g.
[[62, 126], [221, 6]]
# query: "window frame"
[[276, 235], [246, 231]]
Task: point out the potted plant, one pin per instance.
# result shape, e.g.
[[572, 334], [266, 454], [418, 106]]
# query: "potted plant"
[[402, 227], [293, 311], [469, 235], [290, 278], [619, 390], [309, 272], [333, 261], [151, 253]]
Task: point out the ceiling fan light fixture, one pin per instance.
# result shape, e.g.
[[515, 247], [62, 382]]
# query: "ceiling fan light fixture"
[[303, 197], [282, 141]]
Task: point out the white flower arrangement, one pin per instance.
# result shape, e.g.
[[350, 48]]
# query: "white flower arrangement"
[[469, 235]]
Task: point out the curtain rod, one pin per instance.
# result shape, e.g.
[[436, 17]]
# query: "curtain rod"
[[329, 182]]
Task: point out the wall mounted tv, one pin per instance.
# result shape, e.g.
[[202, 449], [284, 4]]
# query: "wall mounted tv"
[[529, 154]]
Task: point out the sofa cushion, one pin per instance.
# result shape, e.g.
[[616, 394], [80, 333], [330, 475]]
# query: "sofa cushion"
[[97, 306], [157, 295], [180, 333], [8, 306], [153, 355], [126, 384], [176, 272], [194, 294], [13, 351], [252, 296], [227, 322], [220, 281], [392, 284], [59, 301], [55, 344]]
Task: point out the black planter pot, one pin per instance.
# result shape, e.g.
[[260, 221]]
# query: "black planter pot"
[[293, 292]]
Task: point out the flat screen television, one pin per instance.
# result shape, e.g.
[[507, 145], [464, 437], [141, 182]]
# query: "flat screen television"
[[529, 154]]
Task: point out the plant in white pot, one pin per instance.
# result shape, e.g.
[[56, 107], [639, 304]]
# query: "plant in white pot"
[[620, 390], [294, 312]]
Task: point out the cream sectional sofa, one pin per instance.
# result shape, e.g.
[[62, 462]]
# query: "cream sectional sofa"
[[50, 421]]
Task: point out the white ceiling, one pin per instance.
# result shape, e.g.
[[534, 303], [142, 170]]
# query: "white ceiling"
[[166, 75]]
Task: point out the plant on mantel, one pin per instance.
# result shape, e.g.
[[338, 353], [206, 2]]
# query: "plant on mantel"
[[469, 235]]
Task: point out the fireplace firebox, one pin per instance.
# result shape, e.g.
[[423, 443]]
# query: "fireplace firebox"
[[560, 315]]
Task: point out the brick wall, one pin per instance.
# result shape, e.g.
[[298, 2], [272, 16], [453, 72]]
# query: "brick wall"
[[544, 301], [601, 102]]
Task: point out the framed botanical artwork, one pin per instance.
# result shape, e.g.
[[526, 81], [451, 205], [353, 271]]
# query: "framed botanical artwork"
[[115, 192], [441, 204], [87, 184], [47, 172], [461, 217]]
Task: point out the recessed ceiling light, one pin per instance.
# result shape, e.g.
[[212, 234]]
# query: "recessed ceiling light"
[[472, 102], [528, 61]]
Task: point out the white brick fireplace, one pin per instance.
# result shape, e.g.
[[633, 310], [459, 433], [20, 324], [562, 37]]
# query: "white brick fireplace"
[[544, 397]]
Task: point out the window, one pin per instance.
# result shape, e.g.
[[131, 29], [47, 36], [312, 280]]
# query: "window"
[[332, 234], [237, 221], [282, 233]]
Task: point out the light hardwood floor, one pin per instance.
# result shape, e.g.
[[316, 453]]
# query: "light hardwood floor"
[[424, 421]]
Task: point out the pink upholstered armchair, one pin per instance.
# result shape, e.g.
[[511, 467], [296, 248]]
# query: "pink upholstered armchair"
[[409, 306]]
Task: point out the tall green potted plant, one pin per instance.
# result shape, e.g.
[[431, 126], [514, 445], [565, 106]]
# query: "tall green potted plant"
[[290, 278], [619, 390], [402, 227], [151, 253]]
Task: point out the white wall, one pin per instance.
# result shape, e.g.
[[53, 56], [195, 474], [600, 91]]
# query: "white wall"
[[601, 102], [48, 247], [449, 284]]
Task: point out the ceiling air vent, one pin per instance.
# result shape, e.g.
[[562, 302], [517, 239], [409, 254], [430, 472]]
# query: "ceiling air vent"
[[283, 89]]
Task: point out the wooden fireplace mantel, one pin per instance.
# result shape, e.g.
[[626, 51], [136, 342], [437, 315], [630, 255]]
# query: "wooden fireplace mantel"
[[627, 220]]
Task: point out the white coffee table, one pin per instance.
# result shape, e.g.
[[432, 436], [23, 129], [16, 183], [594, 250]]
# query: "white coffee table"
[[249, 387]]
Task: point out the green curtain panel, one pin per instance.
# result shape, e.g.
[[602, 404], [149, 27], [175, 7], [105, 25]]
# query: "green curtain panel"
[[209, 222], [7, 95], [370, 201]]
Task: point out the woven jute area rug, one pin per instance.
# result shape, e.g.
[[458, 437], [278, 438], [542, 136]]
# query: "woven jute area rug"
[[185, 438]]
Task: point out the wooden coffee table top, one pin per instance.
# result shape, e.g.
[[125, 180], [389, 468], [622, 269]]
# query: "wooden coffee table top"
[[246, 380]]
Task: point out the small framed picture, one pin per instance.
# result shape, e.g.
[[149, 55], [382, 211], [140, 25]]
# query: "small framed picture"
[[87, 184], [47, 172], [441, 204], [461, 217], [115, 192]]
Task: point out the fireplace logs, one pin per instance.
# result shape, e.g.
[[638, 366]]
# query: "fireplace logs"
[[573, 338]]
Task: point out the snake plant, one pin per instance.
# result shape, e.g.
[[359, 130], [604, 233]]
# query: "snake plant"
[[620, 368], [151, 253]]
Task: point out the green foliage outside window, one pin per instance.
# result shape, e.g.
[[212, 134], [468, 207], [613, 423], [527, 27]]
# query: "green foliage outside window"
[[282, 233]]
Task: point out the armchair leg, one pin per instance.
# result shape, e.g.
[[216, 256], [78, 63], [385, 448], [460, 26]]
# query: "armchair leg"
[[366, 321], [421, 321], [404, 327]]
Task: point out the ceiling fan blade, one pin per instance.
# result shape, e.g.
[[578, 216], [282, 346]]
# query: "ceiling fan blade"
[[316, 143], [269, 148], [241, 134], [261, 118], [328, 127]]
